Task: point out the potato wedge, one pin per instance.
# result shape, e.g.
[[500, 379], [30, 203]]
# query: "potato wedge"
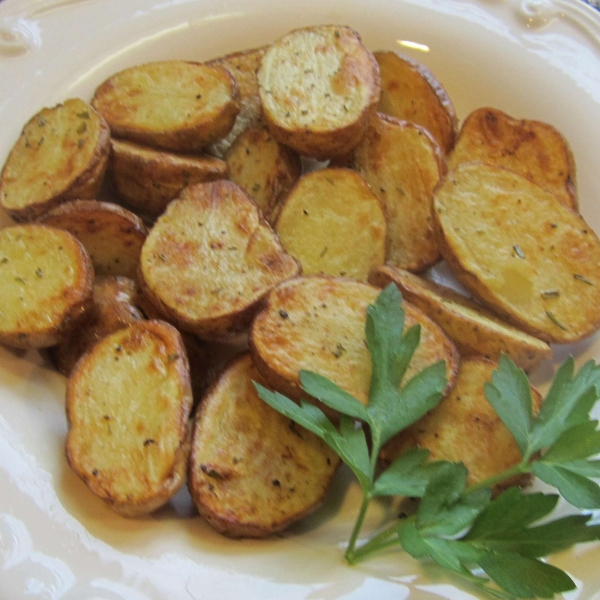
[[253, 472], [128, 403], [46, 281], [473, 329], [334, 224], [148, 179], [411, 92], [210, 259], [513, 245], [403, 164], [318, 324], [533, 149], [464, 427], [243, 67], [318, 87], [112, 235], [264, 168], [174, 104], [114, 308], [61, 155]]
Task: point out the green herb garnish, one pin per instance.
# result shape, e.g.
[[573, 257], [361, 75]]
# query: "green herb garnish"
[[494, 544]]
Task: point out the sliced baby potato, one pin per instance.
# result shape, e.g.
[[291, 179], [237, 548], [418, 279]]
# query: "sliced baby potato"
[[263, 167], [411, 92], [175, 104], [128, 404], [513, 245], [148, 179], [318, 324], [243, 67], [403, 164], [334, 224], [253, 472], [46, 281], [464, 427], [533, 149], [318, 87], [112, 235], [473, 329], [61, 155], [114, 308], [210, 259]]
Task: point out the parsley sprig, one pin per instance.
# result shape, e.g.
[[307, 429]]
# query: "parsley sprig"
[[497, 543]]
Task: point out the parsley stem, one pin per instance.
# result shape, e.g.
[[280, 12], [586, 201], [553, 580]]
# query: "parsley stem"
[[494, 479], [357, 526], [384, 539]]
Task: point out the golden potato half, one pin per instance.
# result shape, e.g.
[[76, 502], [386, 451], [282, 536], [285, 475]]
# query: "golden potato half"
[[334, 224], [128, 404], [517, 248], [253, 472], [210, 258], [465, 427], [61, 155], [112, 235], [318, 87], [176, 105], [533, 149], [473, 329], [403, 165], [411, 92], [318, 324], [46, 281], [148, 179]]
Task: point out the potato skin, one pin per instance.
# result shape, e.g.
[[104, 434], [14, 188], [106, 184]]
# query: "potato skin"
[[46, 281], [252, 471], [128, 402]]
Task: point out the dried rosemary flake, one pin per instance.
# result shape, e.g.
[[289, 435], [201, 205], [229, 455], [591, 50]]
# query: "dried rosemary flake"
[[556, 321], [518, 251], [173, 357], [582, 278], [84, 115], [550, 294], [82, 128], [324, 252]]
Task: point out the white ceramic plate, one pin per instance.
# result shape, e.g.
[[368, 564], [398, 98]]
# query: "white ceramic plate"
[[537, 59]]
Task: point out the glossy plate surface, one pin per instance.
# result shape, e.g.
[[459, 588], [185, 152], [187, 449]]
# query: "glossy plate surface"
[[538, 59]]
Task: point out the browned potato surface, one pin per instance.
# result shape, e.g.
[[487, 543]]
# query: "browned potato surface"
[[334, 224], [46, 280], [516, 247], [61, 155], [210, 258], [464, 427], [175, 104], [318, 87], [318, 324], [411, 92], [533, 149], [148, 179], [473, 329], [128, 404], [403, 164], [252, 471]]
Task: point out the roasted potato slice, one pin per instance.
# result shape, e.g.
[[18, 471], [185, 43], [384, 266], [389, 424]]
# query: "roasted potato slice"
[[112, 235], [533, 149], [61, 155], [148, 179], [253, 472], [513, 245], [318, 87], [46, 281], [243, 67], [334, 224], [464, 427], [210, 258], [411, 92], [114, 308], [318, 324], [403, 164], [473, 329], [128, 404], [263, 167], [174, 104]]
